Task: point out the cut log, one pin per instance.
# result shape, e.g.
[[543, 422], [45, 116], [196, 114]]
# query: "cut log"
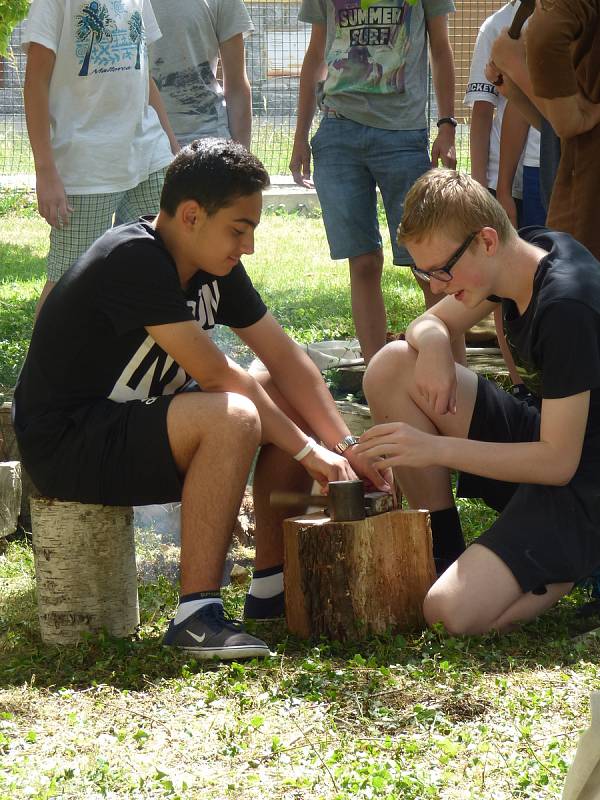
[[350, 580], [9, 451], [85, 569], [10, 496]]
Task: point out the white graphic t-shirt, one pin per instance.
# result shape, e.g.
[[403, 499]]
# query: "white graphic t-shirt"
[[479, 88], [105, 136], [184, 62], [376, 56]]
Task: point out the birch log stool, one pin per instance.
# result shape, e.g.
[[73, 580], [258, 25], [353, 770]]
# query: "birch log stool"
[[85, 569], [350, 580], [9, 451]]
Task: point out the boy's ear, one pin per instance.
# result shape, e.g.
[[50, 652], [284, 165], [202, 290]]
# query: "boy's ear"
[[489, 237], [191, 213]]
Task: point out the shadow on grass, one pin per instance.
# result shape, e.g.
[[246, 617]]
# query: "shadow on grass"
[[311, 670]]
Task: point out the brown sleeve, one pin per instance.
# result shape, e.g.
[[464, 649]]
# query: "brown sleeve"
[[550, 35]]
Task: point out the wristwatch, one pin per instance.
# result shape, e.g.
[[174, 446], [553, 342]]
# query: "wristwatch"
[[447, 121], [347, 441]]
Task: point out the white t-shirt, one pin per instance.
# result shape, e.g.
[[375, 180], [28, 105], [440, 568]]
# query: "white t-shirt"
[[184, 62], [105, 136], [479, 88]]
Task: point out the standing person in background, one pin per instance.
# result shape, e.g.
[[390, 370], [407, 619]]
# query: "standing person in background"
[[557, 68], [520, 149], [488, 107], [98, 131], [367, 70], [196, 33], [500, 141]]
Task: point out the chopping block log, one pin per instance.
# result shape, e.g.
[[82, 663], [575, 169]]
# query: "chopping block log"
[[350, 580]]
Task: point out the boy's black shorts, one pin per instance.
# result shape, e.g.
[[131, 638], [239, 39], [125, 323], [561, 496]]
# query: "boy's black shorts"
[[105, 452], [544, 534]]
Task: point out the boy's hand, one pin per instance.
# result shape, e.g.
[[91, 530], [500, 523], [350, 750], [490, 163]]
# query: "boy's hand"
[[364, 466], [396, 444], [53, 205], [493, 74], [435, 378], [324, 466], [506, 51], [443, 148], [300, 164]]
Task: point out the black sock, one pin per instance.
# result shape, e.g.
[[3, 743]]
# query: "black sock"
[[185, 598], [447, 536], [265, 573]]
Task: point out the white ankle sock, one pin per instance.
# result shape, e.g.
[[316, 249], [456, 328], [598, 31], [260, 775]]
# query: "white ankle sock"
[[268, 586], [188, 608]]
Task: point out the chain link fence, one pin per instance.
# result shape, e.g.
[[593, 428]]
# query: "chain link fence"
[[274, 57]]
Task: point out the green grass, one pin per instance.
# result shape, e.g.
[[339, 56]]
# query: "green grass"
[[416, 717]]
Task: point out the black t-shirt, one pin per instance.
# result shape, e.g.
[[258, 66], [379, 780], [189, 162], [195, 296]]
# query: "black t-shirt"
[[90, 342], [556, 342]]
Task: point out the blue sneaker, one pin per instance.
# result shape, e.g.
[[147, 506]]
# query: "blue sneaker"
[[264, 607], [208, 633]]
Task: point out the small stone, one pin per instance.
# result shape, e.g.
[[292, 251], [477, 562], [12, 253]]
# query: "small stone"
[[239, 574]]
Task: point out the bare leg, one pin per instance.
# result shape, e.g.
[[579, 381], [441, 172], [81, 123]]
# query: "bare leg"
[[368, 309], [461, 599], [459, 350], [48, 286], [392, 395], [275, 470], [213, 439], [504, 348]]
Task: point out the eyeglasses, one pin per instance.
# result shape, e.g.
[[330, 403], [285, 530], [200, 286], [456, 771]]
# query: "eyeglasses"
[[444, 273]]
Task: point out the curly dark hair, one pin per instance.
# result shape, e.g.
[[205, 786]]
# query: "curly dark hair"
[[213, 172]]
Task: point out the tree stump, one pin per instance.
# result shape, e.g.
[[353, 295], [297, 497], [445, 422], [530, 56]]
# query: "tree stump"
[[9, 451], [85, 569], [350, 580]]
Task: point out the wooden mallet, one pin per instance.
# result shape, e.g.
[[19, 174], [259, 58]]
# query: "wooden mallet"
[[524, 11]]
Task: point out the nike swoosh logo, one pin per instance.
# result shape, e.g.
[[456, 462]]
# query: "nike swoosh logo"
[[199, 639]]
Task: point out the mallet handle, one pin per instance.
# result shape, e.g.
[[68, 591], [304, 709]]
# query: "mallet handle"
[[298, 499], [524, 11]]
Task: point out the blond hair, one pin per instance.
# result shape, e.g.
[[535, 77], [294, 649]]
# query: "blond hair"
[[450, 202]]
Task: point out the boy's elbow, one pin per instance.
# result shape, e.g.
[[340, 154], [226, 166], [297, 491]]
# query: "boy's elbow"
[[564, 474]]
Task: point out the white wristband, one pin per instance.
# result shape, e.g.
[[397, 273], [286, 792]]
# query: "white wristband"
[[308, 448]]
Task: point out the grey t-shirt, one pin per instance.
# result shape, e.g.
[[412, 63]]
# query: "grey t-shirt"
[[184, 62], [376, 56]]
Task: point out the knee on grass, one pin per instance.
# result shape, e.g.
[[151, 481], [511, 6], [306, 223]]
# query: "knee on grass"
[[456, 618]]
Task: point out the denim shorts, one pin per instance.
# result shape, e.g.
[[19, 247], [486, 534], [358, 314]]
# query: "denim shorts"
[[349, 161]]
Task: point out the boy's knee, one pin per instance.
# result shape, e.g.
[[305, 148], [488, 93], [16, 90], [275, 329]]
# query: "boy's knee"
[[439, 606], [367, 266], [242, 412], [392, 363]]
